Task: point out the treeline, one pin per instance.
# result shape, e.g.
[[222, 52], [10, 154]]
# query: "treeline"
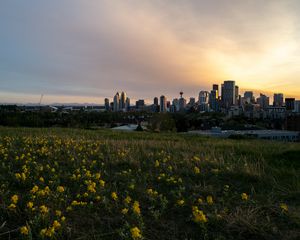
[[156, 121], [78, 119]]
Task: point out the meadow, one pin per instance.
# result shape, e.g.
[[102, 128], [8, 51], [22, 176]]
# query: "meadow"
[[100, 184]]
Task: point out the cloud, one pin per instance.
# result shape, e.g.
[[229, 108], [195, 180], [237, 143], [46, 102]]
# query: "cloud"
[[147, 48]]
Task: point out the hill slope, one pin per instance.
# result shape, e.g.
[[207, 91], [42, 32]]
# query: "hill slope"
[[78, 184]]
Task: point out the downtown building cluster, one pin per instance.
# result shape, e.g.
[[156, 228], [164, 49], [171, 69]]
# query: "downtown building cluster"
[[224, 98]]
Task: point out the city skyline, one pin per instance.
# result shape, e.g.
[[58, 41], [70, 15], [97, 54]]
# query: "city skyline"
[[83, 52]]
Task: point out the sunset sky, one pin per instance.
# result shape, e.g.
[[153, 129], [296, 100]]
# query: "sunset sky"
[[83, 51]]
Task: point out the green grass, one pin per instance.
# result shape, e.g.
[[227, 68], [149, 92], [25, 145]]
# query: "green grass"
[[268, 172]]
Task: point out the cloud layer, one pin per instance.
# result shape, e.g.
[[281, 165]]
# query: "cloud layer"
[[87, 50]]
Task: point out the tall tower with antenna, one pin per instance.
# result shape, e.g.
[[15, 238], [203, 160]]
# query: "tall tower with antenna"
[[182, 102]]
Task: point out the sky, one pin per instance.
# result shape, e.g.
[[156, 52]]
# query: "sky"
[[83, 51]]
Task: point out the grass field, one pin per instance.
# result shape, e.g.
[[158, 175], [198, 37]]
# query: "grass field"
[[81, 184]]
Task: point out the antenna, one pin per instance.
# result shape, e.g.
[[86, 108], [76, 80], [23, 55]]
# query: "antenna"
[[181, 93]]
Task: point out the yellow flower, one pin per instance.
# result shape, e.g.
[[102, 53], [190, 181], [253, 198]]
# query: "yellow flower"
[[85, 194], [47, 189], [14, 199], [97, 175], [135, 233], [56, 225], [58, 213], [124, 211], [196, 170], [156, 163], [114, 196], [75, 203], [18, 176], [180, 202], [12, 206], [98, 198], [209, 200], [284, 207], [102, 183], [44, 209], [23, 175], [91, 187], [60, 189], [42, 179], [199, 216], [244, 196], [24, 230], [63, 218], [34, 189], [199, 200], [30, 205], [43, 232], [50, 232], [136, 208], [127, 200]]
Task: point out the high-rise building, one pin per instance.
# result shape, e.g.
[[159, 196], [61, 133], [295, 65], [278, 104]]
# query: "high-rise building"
[[140, 104], [163, 103], [155, 101], [106, 104], [214, 100], [116, 102], [175, 103], [278, 100], [192, 101], [290, 104], [203, 97], [168, 105], [216, 88], [203, 100], [236, 95], [297, 106], [248, 97], [263, 101], [127, 104], [122, 101], [229, 93], [182, 103]]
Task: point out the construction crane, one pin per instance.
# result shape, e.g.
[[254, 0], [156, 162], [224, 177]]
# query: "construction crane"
[[42, 95]]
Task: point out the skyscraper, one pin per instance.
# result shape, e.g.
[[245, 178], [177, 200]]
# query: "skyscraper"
[[263, 101], [122, 100], [290, 104], [106, 104], [163, 104], [175, 103], [140, 104], [278, 100], [214, 100], [236, 95], [127, 104], [203, 100], [117, 102], [155, 101], [248, 96], [216, 88], [229, 93]]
